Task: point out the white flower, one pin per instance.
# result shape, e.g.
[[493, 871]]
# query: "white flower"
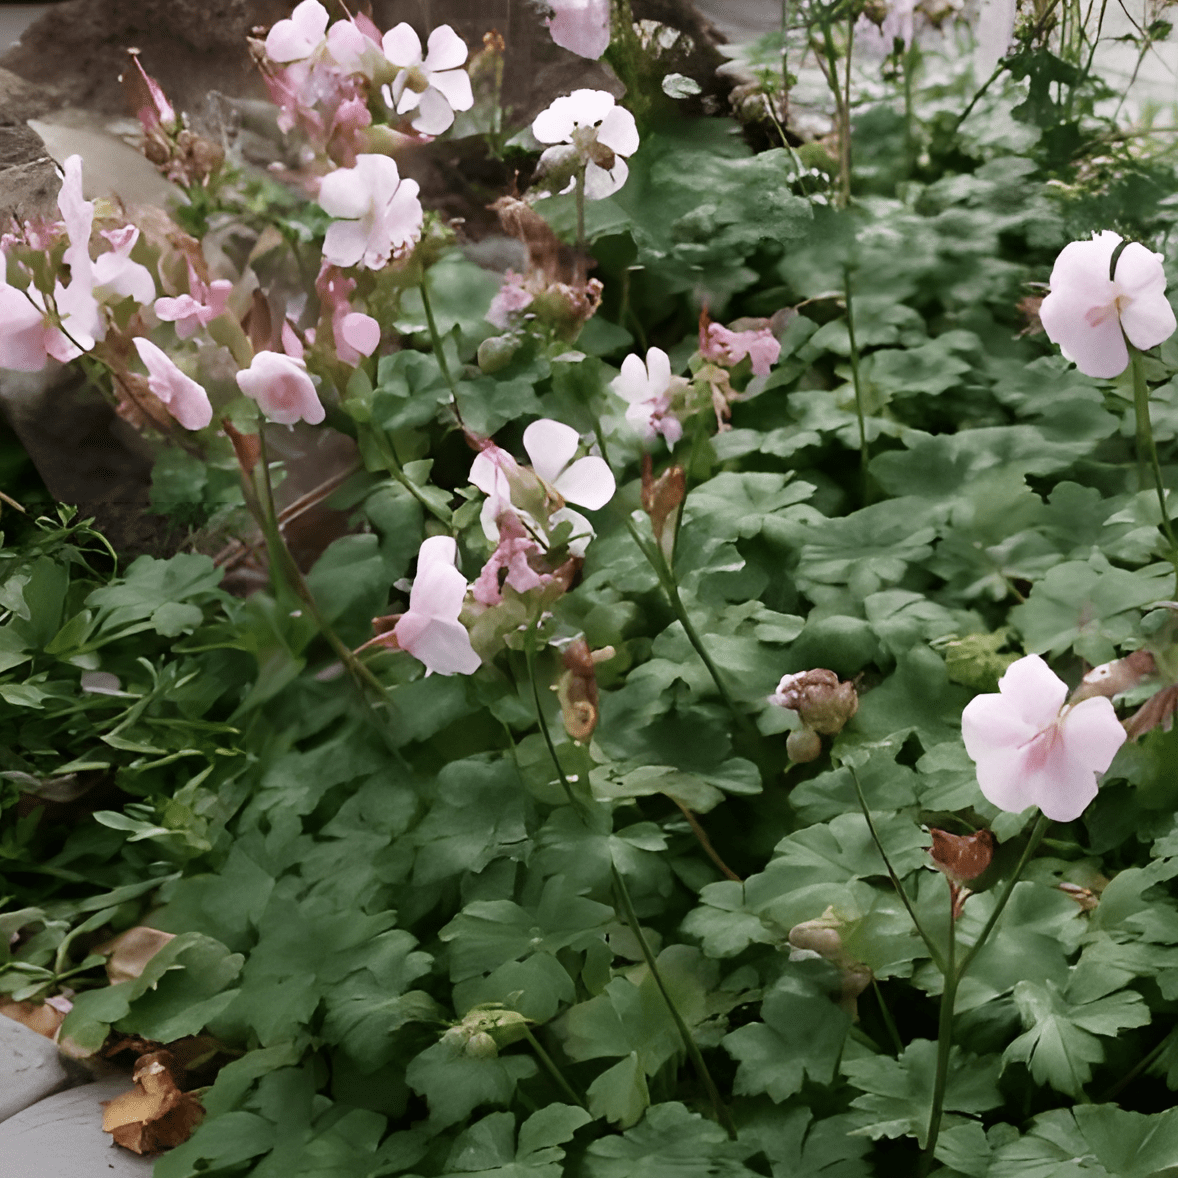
[[1029, 752], [435, 86], [588, 129], [648, 387], [300, 35], [431, 631], [1088, 314], [379, 215], [588, 482]]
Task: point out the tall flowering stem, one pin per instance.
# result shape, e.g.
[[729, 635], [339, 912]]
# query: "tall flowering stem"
[[864, 453], [953, 974], [1147, 450]]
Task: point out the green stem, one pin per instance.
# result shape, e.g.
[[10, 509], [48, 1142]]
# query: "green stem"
[[1147, 450], [580, 199], [864, 453], [845, 137], [1037, 833], [530, 655], [292, 578], [697, 1059], [944, 1042], [436, 341], [1136, 1070], [929, 943], [553, 1070], [389, 457], [666, 578], [889, 1022]]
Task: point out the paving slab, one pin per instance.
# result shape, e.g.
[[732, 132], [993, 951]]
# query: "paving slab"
[[62, 1137], [30, 1069]]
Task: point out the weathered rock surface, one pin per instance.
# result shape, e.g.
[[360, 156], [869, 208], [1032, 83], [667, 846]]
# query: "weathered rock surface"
[[62, 1137], [30, 1069]]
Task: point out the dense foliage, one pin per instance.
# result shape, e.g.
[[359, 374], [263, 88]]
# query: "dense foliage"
[[434, 937]]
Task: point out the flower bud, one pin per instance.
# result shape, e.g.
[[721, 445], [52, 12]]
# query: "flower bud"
[[662, 497], [820, 700], [481, 1046], [496, 353], [803, 745], [962, 857]]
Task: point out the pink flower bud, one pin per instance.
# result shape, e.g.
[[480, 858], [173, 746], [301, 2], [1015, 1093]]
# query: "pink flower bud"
[[282, 389]]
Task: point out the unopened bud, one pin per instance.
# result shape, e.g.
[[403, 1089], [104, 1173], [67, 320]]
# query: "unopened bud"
[[661, 497], [496, 353], [820, 700], [803, 745], [481, 1046], [962, 857]]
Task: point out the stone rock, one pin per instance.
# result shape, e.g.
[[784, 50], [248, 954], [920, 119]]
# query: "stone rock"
[[62, 1137], [30, 1069]]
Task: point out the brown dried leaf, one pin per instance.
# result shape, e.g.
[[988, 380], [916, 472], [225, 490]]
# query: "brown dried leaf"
[[155, 1115], [129, 952], [1157, 710], [37, 1016], [962, 856]]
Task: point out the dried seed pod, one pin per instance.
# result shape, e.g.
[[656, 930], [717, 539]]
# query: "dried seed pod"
[[823, 703], [662, 497], [577, 688], [962, 857], [802, 745]]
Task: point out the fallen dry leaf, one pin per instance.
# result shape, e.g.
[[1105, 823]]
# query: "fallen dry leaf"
[[155, 1115], [129, 952], [37, 1016]]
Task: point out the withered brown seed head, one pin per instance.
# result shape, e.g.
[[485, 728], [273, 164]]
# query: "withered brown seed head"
[[662, 496], [962, 857], [823, 703]]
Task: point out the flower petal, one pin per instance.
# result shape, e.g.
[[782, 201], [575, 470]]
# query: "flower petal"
[[446, 51], [443, 646], [589, 482], [345, 243], [361, 332], [343, 193], [555, 124], [438, 589], [551, 446], [582, 529], [658, 364], [619, 132], [186, 401], [1032, 689], [599, 183], [454, 85], [590, 107], [402, 46], [435, 114]]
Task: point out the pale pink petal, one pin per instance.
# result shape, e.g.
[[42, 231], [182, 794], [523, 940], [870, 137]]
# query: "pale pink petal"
[[441, 550], [443, 646], [446, 50], [402, 46], [434, 113], [582, 529], [658, 365], [295, 38], [454, 85], [401, 218], [589, 482], [1092, 732], [1097, 349], [486, 472], [991, 722], [407, 99], [618, 131], [186, 401], [291, 344], [1085, 265], [344, 193], [345, 243], [551, 446], [22, 331], [581, 26], [590, 107], [1004, 780], [633, 384], [1034, 690], [361, 332], [281, 387], [438, 590], [1064, 787], [116, 274]]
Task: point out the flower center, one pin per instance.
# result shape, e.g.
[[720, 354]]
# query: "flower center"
[[1098, 315], [1040, 747]]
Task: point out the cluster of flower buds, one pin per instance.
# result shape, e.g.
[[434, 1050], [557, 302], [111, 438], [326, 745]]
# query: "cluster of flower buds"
[[821, 938], [822, 703], [352, 89], [485, 1029]]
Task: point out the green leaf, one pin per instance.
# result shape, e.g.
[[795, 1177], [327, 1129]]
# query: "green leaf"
[[454, 1084], [620, 1093], [1061, 1043]]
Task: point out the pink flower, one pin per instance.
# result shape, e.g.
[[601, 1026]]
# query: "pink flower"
[[300, 35], [512, 552], [23, 329], [355, 333], [1089, 314], [588, 481], [159, 113], [508, 302], [1030, 753], [649, 387], [379, 215], [723, 346], [431, 631], [588, 127], [282, 389], [435, 87], [116, 277], [76, 303], [581, 26], [186, 401], [196, 309]]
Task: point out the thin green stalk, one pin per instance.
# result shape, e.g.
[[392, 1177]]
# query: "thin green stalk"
[[553, 1070], [889, 1022], [864, 453], [845, 136], [1135, 1071], [670, 587], [944, 1042], [1037, 833], [929, 943], [697, 1059], [530, 655], [389, 457], [580, 199], [1147, 451], [436, 341]]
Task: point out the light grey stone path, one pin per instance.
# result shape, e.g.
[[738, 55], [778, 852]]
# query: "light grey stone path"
[[30, 1069], [62, 1137]]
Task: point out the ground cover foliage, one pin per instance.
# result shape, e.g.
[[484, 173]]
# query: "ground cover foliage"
[[431, 936]]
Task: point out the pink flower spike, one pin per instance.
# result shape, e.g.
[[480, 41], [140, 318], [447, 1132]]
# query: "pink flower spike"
[[160, 113], [588, 482], [1088, 314], [580, 26], [431, 631], [186, 401], [729, 348], [196, 309], [378, 214], [1030, 753], [299, 35], [508, 302], [282, 389]]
